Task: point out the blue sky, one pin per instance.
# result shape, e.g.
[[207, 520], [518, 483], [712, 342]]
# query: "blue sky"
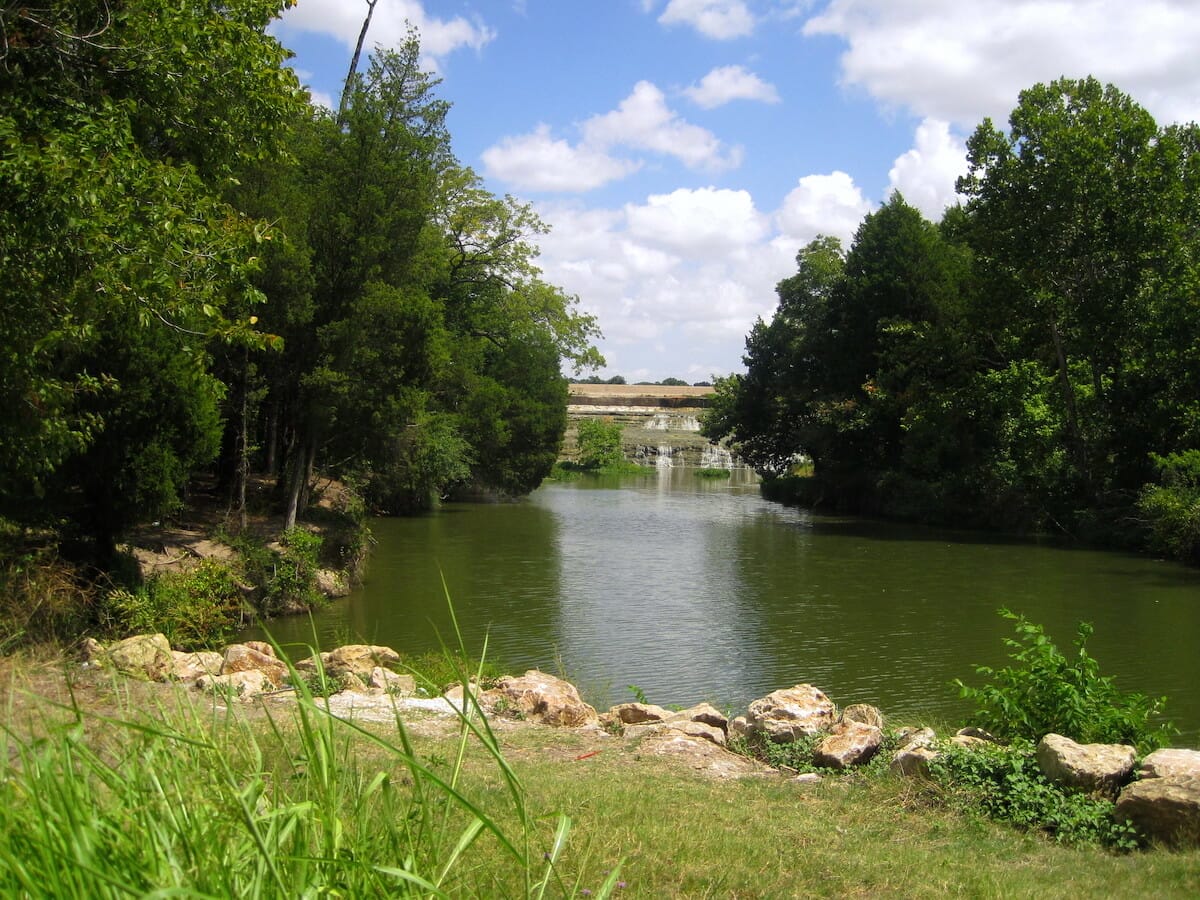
[[683, 150]]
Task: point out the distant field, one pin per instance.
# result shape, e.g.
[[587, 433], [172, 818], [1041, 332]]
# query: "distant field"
[[636, 390]]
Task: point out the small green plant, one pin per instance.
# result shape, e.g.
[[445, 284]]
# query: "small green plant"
[[1005, 783], [600, 444], [1046, 691], [713, 473], [197, 609], [638, 694]]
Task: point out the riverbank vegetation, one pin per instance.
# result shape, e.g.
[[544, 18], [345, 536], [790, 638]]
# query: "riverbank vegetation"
[[207, 276], [1028, 363]]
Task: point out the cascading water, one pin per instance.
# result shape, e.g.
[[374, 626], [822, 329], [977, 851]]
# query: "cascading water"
[[658, 422], [716, 457], [665, 460]]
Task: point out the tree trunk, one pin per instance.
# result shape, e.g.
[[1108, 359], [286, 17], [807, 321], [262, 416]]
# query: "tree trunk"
[[1068, 390], [272, 447], [362, 36]]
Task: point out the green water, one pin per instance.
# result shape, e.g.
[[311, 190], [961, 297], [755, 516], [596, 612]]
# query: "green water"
[[694, 590]]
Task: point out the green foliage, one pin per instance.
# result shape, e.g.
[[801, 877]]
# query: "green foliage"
[[195, 610], [600, 444], [1046, 691], [1172, 508], [713, 473], [1005, 783]]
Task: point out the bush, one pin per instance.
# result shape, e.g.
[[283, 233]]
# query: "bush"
[[1005, 783], [194, 610], [1172, 508], [1049, 692], [600, 444]]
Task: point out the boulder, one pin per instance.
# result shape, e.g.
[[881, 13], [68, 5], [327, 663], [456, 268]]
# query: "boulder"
[[739, 726], [190, 666], [244, 658], [978, 733], [1167, 762], [389, 682], [1165, 809], [1096, 768], [969, 742], [911, 738], [848, 744], [145, 656], [913, 761], [863, 713], [331, 583], [360, 659], [93, 653], [701, 730], [638, 713], [243, 685], [701, 755], [791, 713], [262, 647], [538, 697], [308, 665], [702, 712]]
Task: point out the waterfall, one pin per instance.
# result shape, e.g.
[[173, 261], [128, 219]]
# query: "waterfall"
[[689, 423], [664, 459], [659, 422], [716, 457]]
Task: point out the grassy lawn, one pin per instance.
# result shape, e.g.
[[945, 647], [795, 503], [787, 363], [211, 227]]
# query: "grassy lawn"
[[148, 788]]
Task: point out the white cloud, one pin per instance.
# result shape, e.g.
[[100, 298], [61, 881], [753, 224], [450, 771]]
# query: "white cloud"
[[389, 25], [538, 162], [644, 121], [925, 175], [720, 19], [703, 224], [822, 204], [728, 83], [960, 60]]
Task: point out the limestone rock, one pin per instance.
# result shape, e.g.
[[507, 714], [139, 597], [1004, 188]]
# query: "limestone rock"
[[701, 730], [911, 738], [913, 761], [92, 652], [864, 713], [542, 698], [309, 665], [262, 647], [968, 741], [143, 656], [808, 778], [1167, 762], [790, 713], [701, 755], [1100, 768], [243, 658], [978, 733], [389, 682], [705, 713], [190, 666], [331, 583], [639, 713], [1164, 809], [739, 726], [360, 659], [849, 744], [242, 685]]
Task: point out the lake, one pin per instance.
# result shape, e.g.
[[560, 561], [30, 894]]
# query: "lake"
[[692, 589]]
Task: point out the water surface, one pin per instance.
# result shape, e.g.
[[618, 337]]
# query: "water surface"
[[694, 590]]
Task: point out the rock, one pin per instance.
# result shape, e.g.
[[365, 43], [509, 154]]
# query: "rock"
[[911, 738], [705, 713], [262, 647], [739, 726], [143, 656], [92, 652], [309, 665], [389, 682], [1167, 762], [1096, 768], [639, 713], [360, 659], [331, 583], [1165, 809], [190, 666], [790, 713], [243, 658], [243, 685], [969, 742], [542, 698], [849, 744], [683, 726], [701, 755], [978, 734], [913, 761], [808, 778], [864, 713]]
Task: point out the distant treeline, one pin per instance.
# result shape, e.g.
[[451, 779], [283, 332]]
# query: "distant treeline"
[[1030, 363], [203, 272], [620, 379]]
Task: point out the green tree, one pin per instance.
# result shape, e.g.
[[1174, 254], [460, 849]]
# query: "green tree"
[[600, 444]]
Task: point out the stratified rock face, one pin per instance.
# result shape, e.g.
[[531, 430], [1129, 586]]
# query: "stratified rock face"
[[849, 744], [1165, 763], [1100, 768], [790, 713], [243, 658], [864, 713], [143, 656], [360, 659], [542, 698], [1164, 809]]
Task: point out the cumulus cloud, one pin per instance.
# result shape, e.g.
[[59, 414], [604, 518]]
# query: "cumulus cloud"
[[539, 162], [699, 224], [728, 83], [389, 25], [961, 60], [925, 175], [822, 204], [642, 121], [719, 19]]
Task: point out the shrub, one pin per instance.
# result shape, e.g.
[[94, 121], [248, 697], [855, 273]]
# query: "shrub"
[[1172, 508], [1005, 783], [194, 610], [1047, 691], [600, 444]]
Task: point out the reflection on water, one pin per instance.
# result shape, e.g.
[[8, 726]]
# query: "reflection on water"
[[692, 589]]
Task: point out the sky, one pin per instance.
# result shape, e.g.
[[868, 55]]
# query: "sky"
[[683, 151]]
